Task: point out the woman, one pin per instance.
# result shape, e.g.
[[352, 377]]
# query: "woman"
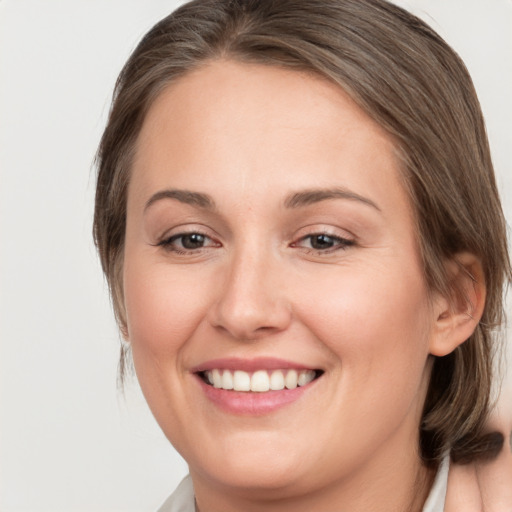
[[298, 219]]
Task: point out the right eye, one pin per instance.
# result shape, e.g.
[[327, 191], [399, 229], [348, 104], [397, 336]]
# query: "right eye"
[[186, 243]]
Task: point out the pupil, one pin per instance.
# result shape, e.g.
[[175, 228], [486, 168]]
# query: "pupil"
[[193, 241], [322, 242]]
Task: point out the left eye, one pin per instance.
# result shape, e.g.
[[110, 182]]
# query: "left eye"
[[324, 242]]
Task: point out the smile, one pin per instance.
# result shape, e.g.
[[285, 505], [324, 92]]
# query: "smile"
[[259, 381], [255, 387]]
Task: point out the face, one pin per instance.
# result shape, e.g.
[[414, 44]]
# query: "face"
[[276, 307]]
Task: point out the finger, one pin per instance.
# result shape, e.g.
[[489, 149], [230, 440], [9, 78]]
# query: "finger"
[[463, 491], [495, 481]]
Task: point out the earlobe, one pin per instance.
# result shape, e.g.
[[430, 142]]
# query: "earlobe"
[[457, 316]]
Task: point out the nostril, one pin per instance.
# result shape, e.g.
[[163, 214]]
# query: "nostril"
[[250, 305]]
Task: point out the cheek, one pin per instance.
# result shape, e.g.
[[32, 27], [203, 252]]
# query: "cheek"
[[376, 320], [162, 309], [376, 325], [162, 313]]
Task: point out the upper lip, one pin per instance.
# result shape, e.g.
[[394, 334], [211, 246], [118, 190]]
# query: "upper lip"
[[250, 365]]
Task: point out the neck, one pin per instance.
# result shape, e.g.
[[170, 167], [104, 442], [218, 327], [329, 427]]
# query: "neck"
[[402, 487]]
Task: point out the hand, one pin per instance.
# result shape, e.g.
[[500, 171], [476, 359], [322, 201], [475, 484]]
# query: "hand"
[[486, 486]]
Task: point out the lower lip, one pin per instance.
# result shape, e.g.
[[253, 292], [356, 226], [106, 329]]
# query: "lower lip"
[[252, 403]]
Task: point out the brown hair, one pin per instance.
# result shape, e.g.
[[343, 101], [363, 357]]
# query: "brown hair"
[[408, 80]]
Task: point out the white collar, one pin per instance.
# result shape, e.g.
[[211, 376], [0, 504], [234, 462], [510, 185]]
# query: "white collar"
[[437, 496], [182, 499]]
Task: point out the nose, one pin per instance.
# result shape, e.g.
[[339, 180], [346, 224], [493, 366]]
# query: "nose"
[[252, 302]]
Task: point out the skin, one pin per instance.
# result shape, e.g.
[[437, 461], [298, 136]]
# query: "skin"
[[358, 310]]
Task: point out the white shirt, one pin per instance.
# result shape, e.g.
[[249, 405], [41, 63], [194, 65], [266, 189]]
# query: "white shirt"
[[182, 499], [437, 496]]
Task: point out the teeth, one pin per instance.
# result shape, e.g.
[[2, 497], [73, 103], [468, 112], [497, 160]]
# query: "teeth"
[[227, 380], [277, 380], [217, 379], [260, 381], [290, 381], [241, 381], [305, 377]]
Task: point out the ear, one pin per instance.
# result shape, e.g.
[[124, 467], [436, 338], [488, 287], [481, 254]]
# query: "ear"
[[457, 316]]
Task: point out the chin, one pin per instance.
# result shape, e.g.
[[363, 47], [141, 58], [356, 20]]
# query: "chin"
[[262, 464]]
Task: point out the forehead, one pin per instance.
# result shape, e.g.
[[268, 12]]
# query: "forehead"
[[240, 122], [223, 94]]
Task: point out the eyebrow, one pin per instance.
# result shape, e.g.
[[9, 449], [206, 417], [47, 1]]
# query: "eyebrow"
[[183, 196], [312, 196], [294, 200]]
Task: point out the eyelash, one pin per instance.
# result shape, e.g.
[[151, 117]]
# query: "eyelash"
[[169, 243], [338, 243]]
